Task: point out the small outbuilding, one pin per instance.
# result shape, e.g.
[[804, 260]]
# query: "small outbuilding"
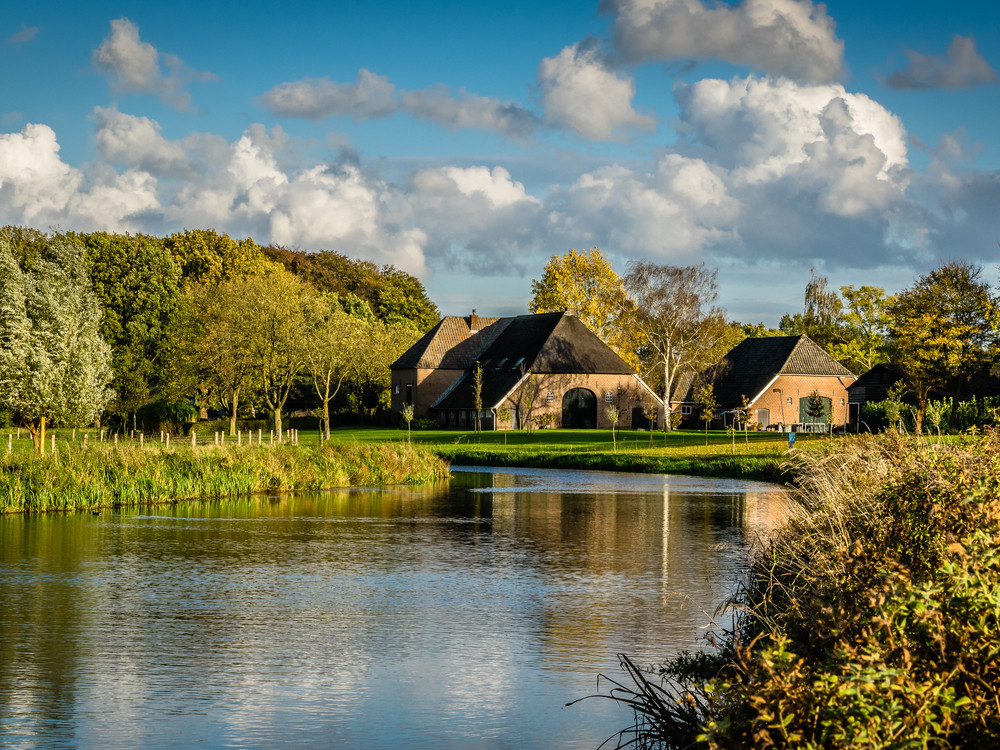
[[784, 378]]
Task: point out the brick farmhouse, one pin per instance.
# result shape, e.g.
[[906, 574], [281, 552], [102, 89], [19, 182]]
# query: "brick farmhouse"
[[537, 370], [780, 376]]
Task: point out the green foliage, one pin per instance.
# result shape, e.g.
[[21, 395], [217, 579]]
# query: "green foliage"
[[130, 475], [871, 620], [54, 364], [390, 294], [137, 284], [207, 257]]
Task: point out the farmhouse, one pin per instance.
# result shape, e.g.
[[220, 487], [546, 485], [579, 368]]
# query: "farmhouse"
[[546, 370], [781, 377]]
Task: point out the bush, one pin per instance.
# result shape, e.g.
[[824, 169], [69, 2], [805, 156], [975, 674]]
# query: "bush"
[[871, 620]]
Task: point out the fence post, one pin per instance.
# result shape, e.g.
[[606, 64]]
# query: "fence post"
[[239, 437], [10, 443], [168, 440], [194, 439], [85, 436], [272, 437], [74, 434], [116, 438], [53, 444], [142, 436], [260, 433]]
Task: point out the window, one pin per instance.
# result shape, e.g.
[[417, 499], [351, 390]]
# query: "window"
[[550, 396], [686, 411], [518, 363], [789, 400], [397, 389], [409, 393], [841, 402], [609, 398]]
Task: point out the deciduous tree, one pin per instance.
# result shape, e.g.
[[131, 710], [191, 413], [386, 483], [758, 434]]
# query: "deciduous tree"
[[676, 320], [943, 330], [587, 286], [54, 365], [333, 341]]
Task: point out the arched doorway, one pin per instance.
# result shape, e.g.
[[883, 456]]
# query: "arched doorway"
[[579, 410]]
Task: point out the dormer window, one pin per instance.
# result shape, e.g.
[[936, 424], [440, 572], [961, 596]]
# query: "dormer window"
[[518, 363], [501, 363]]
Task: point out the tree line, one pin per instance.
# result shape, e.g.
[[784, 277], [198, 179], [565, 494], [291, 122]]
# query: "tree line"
[[100, 326], [942, 331]]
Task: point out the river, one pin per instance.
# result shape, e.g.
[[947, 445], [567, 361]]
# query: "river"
[[464, 615]]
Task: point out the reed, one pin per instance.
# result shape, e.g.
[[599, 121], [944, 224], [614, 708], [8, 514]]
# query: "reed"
[[108, 475], [871, 620]]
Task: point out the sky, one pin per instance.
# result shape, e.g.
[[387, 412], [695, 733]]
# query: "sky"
[[467, 143]]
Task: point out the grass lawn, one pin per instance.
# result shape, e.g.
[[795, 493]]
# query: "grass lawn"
[[755, 455]]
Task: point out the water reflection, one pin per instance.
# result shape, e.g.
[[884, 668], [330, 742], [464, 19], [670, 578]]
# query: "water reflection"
[[460, 615]]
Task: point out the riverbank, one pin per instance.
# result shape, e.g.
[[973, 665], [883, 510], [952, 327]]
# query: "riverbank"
[[755, 456], [107, 475], [871, 620]]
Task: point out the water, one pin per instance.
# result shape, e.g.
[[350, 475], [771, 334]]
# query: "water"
[[461, 616]]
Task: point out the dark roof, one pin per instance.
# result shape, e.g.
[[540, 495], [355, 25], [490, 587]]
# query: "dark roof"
[[879, 375], [755, 362], [453, 344], [540, 344]]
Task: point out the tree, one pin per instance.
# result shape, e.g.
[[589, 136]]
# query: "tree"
[[369, 378], [676, 320], [586, 285], [613, 415], [137, 284], [214, 361], [477, 391], [332, 342], [816, 408], [277, 333], [943, 330], [207, 257], [54, 365], [865, 326], [709, 406]]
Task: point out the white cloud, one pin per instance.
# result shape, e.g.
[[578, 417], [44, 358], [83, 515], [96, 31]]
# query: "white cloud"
[[583, 94], [964, 68], [845, 148], [372, 96], [38, 189], [126, 139], [133, 66], [794, 38]]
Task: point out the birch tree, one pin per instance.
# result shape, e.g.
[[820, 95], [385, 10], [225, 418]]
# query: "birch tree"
[[676, 319], [54, 365]]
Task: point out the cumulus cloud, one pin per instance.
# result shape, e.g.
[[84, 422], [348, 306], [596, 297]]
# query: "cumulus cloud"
[[372, 96], [844, 148], [38, 189], [794, 38], [25, 35], [583, 94], [964, 68], [133, 66], [476, 218]]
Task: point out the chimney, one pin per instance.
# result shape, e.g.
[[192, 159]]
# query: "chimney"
[[473, 323]]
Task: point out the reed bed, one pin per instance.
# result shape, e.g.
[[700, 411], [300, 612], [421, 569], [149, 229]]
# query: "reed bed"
[[871, 620], [106, 475]]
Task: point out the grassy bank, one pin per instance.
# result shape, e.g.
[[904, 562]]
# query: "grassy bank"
[[871, 620], [756, 455], [106, 475]]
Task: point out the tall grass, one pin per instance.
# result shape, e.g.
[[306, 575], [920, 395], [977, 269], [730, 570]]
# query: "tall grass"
[[107, 475], [871, 620]]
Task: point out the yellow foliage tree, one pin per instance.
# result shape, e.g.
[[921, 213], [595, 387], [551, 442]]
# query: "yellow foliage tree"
[[585, 284]]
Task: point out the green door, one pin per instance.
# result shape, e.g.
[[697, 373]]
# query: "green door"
[[579, 410]]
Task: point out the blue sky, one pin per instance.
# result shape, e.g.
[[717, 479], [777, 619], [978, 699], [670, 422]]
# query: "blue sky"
[[467, 143]]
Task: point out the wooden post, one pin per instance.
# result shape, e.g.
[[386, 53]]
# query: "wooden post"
[[222, 438], [53, 443], [272, 437], [142, 436], [74, 434], [194, 439], [239, 437], [85, 436], [116, 438], [260, 434], [216, 437], [10, 443], [168, 439]]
